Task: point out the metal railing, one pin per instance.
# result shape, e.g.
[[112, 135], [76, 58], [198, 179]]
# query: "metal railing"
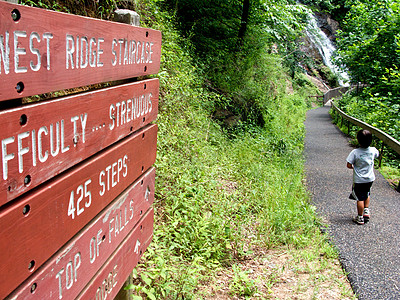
[[384, 137], [335, 93]]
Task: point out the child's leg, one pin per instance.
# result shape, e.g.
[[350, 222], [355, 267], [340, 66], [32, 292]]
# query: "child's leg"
[[366, 203], [360, 207]]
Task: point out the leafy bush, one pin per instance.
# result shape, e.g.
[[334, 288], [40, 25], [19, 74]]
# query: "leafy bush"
[[219, 191]]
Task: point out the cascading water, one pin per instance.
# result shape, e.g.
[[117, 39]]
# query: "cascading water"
[[325, 48]]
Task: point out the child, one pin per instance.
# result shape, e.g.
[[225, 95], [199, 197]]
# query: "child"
[[361, 160]]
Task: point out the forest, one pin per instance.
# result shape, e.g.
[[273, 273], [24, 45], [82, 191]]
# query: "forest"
[[230, 186]]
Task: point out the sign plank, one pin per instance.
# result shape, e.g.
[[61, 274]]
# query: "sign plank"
[[110, 279], [40, 223], [43, 51], [43, 139], [66, 274]]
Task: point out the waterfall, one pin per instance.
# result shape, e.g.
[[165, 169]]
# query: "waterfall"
[[325, 48]]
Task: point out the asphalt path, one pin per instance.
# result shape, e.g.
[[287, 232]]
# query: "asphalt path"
[[369, 253]]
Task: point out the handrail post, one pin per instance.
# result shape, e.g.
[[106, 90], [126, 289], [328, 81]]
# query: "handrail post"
[[386, 139], [381, 155], [348, 127]]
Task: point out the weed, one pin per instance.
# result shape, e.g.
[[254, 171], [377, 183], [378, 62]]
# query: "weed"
[[241, 285]]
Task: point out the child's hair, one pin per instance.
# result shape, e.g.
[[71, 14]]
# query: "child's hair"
[[364, 138]]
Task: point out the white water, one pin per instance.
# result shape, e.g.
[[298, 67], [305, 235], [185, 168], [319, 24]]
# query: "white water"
[[325, 48]]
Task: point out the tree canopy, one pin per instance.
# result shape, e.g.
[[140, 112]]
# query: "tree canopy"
[[369, 43]]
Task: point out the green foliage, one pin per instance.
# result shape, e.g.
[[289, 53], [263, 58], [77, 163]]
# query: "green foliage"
[[368, 45], [102, 9], [241, 285], [326, 5], [379, 111], [221, 191]]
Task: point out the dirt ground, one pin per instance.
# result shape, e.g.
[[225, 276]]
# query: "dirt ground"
[[281, 274]]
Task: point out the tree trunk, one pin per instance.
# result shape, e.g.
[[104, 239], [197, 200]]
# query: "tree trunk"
[[244, 21]]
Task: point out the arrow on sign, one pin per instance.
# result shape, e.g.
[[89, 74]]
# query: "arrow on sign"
[[137, 247]]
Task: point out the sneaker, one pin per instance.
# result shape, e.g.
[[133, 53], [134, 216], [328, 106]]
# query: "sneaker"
[[359, 220], [366, 215]]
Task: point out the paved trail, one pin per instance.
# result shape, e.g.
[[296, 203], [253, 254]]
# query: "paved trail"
[[370, 253]]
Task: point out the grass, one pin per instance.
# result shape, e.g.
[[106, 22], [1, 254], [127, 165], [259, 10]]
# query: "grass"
[[229, 199], [223, 196]]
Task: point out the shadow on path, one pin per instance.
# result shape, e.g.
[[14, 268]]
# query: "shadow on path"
[[370, 253]]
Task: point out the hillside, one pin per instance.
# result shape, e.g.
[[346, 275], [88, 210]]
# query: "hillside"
[[233, 217]]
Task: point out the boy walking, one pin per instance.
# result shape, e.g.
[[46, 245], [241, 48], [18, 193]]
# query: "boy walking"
[[361, 160]]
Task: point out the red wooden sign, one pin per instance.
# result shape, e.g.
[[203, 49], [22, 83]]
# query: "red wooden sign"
[[68, 272], [108, 281], [41, 140], [43, 51], [41, 222]]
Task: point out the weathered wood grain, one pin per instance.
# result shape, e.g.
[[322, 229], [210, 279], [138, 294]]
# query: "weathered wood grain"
[[43, 51], [43, 139], [109, 280], [39, 223], [66, 274]]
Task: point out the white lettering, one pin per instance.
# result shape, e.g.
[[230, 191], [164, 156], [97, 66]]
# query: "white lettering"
[[112, 117], [110, 229], [115, 169], [84, 52], [46, 141], [70, 49], [149, 54], [55, 151], [19, 51], [21, 150], [99, 52], [63, 148], [77, 52], [42, 158], [60, 283], [33, 148], [35, 35], [83, 124], [92, 53], [120, 41], [5, 52], [48, 36], [102, 173], [71, 274], [128, 52], [5, 156], [77, 264], [92, 248], [82, 192], [107, 285], [114, 60]]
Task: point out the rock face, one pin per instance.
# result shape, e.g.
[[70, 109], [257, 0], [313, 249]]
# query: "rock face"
[[311, 51], [318, 48], [327, 25]]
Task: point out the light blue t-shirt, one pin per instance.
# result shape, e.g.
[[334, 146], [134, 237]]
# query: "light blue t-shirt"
[[362, 160]]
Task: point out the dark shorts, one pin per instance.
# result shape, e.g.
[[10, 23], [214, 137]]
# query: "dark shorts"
[[361, 191]]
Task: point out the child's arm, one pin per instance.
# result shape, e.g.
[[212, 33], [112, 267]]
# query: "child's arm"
[[349, 165]]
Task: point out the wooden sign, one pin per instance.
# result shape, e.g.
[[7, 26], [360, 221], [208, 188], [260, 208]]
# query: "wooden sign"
[[43, 51], [38, 224], [109, 280], [41, 140], [66, 274]]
